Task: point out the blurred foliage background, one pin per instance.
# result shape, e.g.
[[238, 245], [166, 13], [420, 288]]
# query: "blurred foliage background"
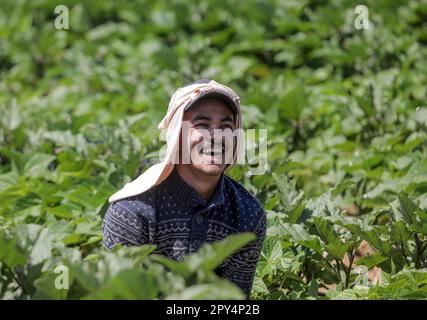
[[346, 116]]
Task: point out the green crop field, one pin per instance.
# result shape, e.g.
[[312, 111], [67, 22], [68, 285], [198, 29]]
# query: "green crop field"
[[345, 109]]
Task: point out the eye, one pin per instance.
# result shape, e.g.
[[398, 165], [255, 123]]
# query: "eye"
[[201, 125], [227, 126]]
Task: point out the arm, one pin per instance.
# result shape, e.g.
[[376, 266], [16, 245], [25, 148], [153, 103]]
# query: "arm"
[[241, 266], [123, 224]]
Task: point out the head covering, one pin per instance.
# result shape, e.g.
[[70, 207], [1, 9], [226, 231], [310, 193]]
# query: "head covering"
[[182, 99], [216, 94]]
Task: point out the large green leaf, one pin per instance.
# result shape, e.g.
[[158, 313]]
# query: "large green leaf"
[[407, 209], [293, 102], [325, 229], [300, 235], [42, 247], [132, 284], [338, 248], [222, 290], [10, 252], [371, 260], [36, 165], [211, 256]]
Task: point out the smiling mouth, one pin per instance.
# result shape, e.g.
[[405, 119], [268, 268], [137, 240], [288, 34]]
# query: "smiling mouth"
[[212, 151]]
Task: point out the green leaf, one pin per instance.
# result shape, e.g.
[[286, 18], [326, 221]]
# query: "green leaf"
[[72, 238], [222, 290], [45, 287], [338, 248], [131, 284], [37, 164], [420, 226], [259, 286], [295, 214], [371, 260], [60, 212], [10, 253], [300, 235], [400, 233], [174, 266], [293, 102], [407, 208], [312, 289], [272, 248], [211, 256], [325, 228], [366, 232], [42, 247]]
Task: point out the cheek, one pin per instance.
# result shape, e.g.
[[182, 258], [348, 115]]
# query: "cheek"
[[195, 137]]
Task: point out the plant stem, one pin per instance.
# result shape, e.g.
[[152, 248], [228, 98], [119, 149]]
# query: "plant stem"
[[423, 249], [348, 271], [402, 246], [418, 250], [338, 270], [12, 273]]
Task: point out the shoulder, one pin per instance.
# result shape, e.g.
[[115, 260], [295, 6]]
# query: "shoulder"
[[133, 209], [251, 212], [128, 221]]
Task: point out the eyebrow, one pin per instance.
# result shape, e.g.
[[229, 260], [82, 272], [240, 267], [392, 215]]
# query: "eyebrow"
[[207, 118], [227, 118], [202, 117]]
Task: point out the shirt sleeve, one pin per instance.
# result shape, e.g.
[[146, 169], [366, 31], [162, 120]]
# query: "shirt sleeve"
[[240, 267], [123, 224]]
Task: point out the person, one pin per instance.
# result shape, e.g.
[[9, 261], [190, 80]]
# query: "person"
[[183, 202]]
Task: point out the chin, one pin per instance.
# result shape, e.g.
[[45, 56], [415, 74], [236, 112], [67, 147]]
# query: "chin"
[[209, 165], [211, 169]]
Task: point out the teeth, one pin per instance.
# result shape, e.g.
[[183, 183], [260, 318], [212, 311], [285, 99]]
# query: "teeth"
[[212, 151], [212, 154], [209, 152]]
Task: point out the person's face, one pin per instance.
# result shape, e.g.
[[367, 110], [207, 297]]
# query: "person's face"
[[209, 150]]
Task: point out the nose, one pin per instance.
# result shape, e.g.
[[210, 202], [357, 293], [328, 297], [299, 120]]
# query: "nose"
[[215, 131], [212, 129]]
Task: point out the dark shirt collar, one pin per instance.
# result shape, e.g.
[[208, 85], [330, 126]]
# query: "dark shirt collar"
[[186, 196]]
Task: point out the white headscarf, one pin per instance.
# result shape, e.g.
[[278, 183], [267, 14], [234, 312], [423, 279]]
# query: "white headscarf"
[[172, 123]]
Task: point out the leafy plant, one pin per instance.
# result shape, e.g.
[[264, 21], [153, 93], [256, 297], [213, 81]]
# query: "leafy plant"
[[346, 116]]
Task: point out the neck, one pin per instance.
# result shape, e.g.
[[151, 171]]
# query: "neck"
[[202, 183]]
